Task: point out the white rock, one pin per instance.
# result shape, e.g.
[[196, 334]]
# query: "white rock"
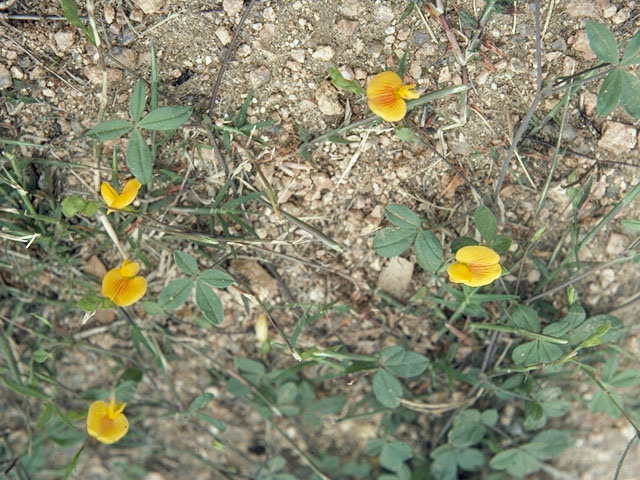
[[616, 244], [347, 27], [5, 77], [64, 39], [109, 14], [223, 35], [298, 55], [232, 7], [618, 137], [352, 8], [327, 98], [395, 277], [384, 14], [622, 16], [581, 45], [324, 53], [149, 6], [582, 8], [259, 77]]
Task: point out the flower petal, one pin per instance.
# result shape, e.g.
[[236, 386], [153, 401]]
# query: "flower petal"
[[477, 255], [97, 413], [484, 274], [459, 273], [109, 193], [129, 269], [128, 194], [408, 92], [113, 430], [383, 98]]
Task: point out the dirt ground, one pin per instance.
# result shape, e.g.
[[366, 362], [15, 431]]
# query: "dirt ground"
[[282, 55]]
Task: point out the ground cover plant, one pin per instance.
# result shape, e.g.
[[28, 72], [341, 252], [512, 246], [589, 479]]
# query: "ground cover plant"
[[390, 240]]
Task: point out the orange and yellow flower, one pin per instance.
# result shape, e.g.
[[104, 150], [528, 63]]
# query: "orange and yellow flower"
[[476, 266], [118, 201], [107, 423], [386, 93], [122, 286]]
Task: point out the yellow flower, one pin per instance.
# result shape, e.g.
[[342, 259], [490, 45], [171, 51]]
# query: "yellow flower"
[[386, 92], [121, 286], [476, 266], [117, 201], [107, 423]]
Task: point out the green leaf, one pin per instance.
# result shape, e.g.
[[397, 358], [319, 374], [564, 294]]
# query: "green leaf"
[[137, 101], [45, 415], [90, 208], [609, 93], [340, 82], [467, 434], [391, 242], [525, 317], [486, 223], [630, 96], [394, 454], [241, 117], [40, 356], [574, 317], [402, 217], [287, 393], [516, 462], [90, 302], [406, 134], [165, 118], [602, 42], [627, 378], [461, 242], [72, 205], [70, 10], [328, 405], [601, 402], [591, 326], [632, 53], [470, 459], [428, 251], [489, 417], [175, 294], [548, 444], [402, 64], [535, 352], [216, 278], [403, 363], [249, 366], [501, 244], [387, 389], [209, 303], [445, 464], [199, 402], [633, 225], [186, 262], [139, 157], [28, 391], [214, 422], [109, 130]]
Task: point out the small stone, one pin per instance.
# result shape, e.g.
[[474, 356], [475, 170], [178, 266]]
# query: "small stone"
[[395, 277], [516, 66], [590, 102], [352, 8], [375, 49], [259, 77], [616, 244], [149, 6], [347, 72], [136, 15], [64, 40], [12, 55], [327, 98], [618, 137], [223, 35], [269, 14], [420, 38], [622, 16], [415, 70], [609, 11], [109, 14], [47, 92], [17, 73], [232, 7], [581, 8], [445, 76], [581, 45], [126, 56], [5, 77], [298, 55], [533, 276], [347, 27], [94, 74], [559, 44], [259, 279], [384, 14], [324, 53]]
